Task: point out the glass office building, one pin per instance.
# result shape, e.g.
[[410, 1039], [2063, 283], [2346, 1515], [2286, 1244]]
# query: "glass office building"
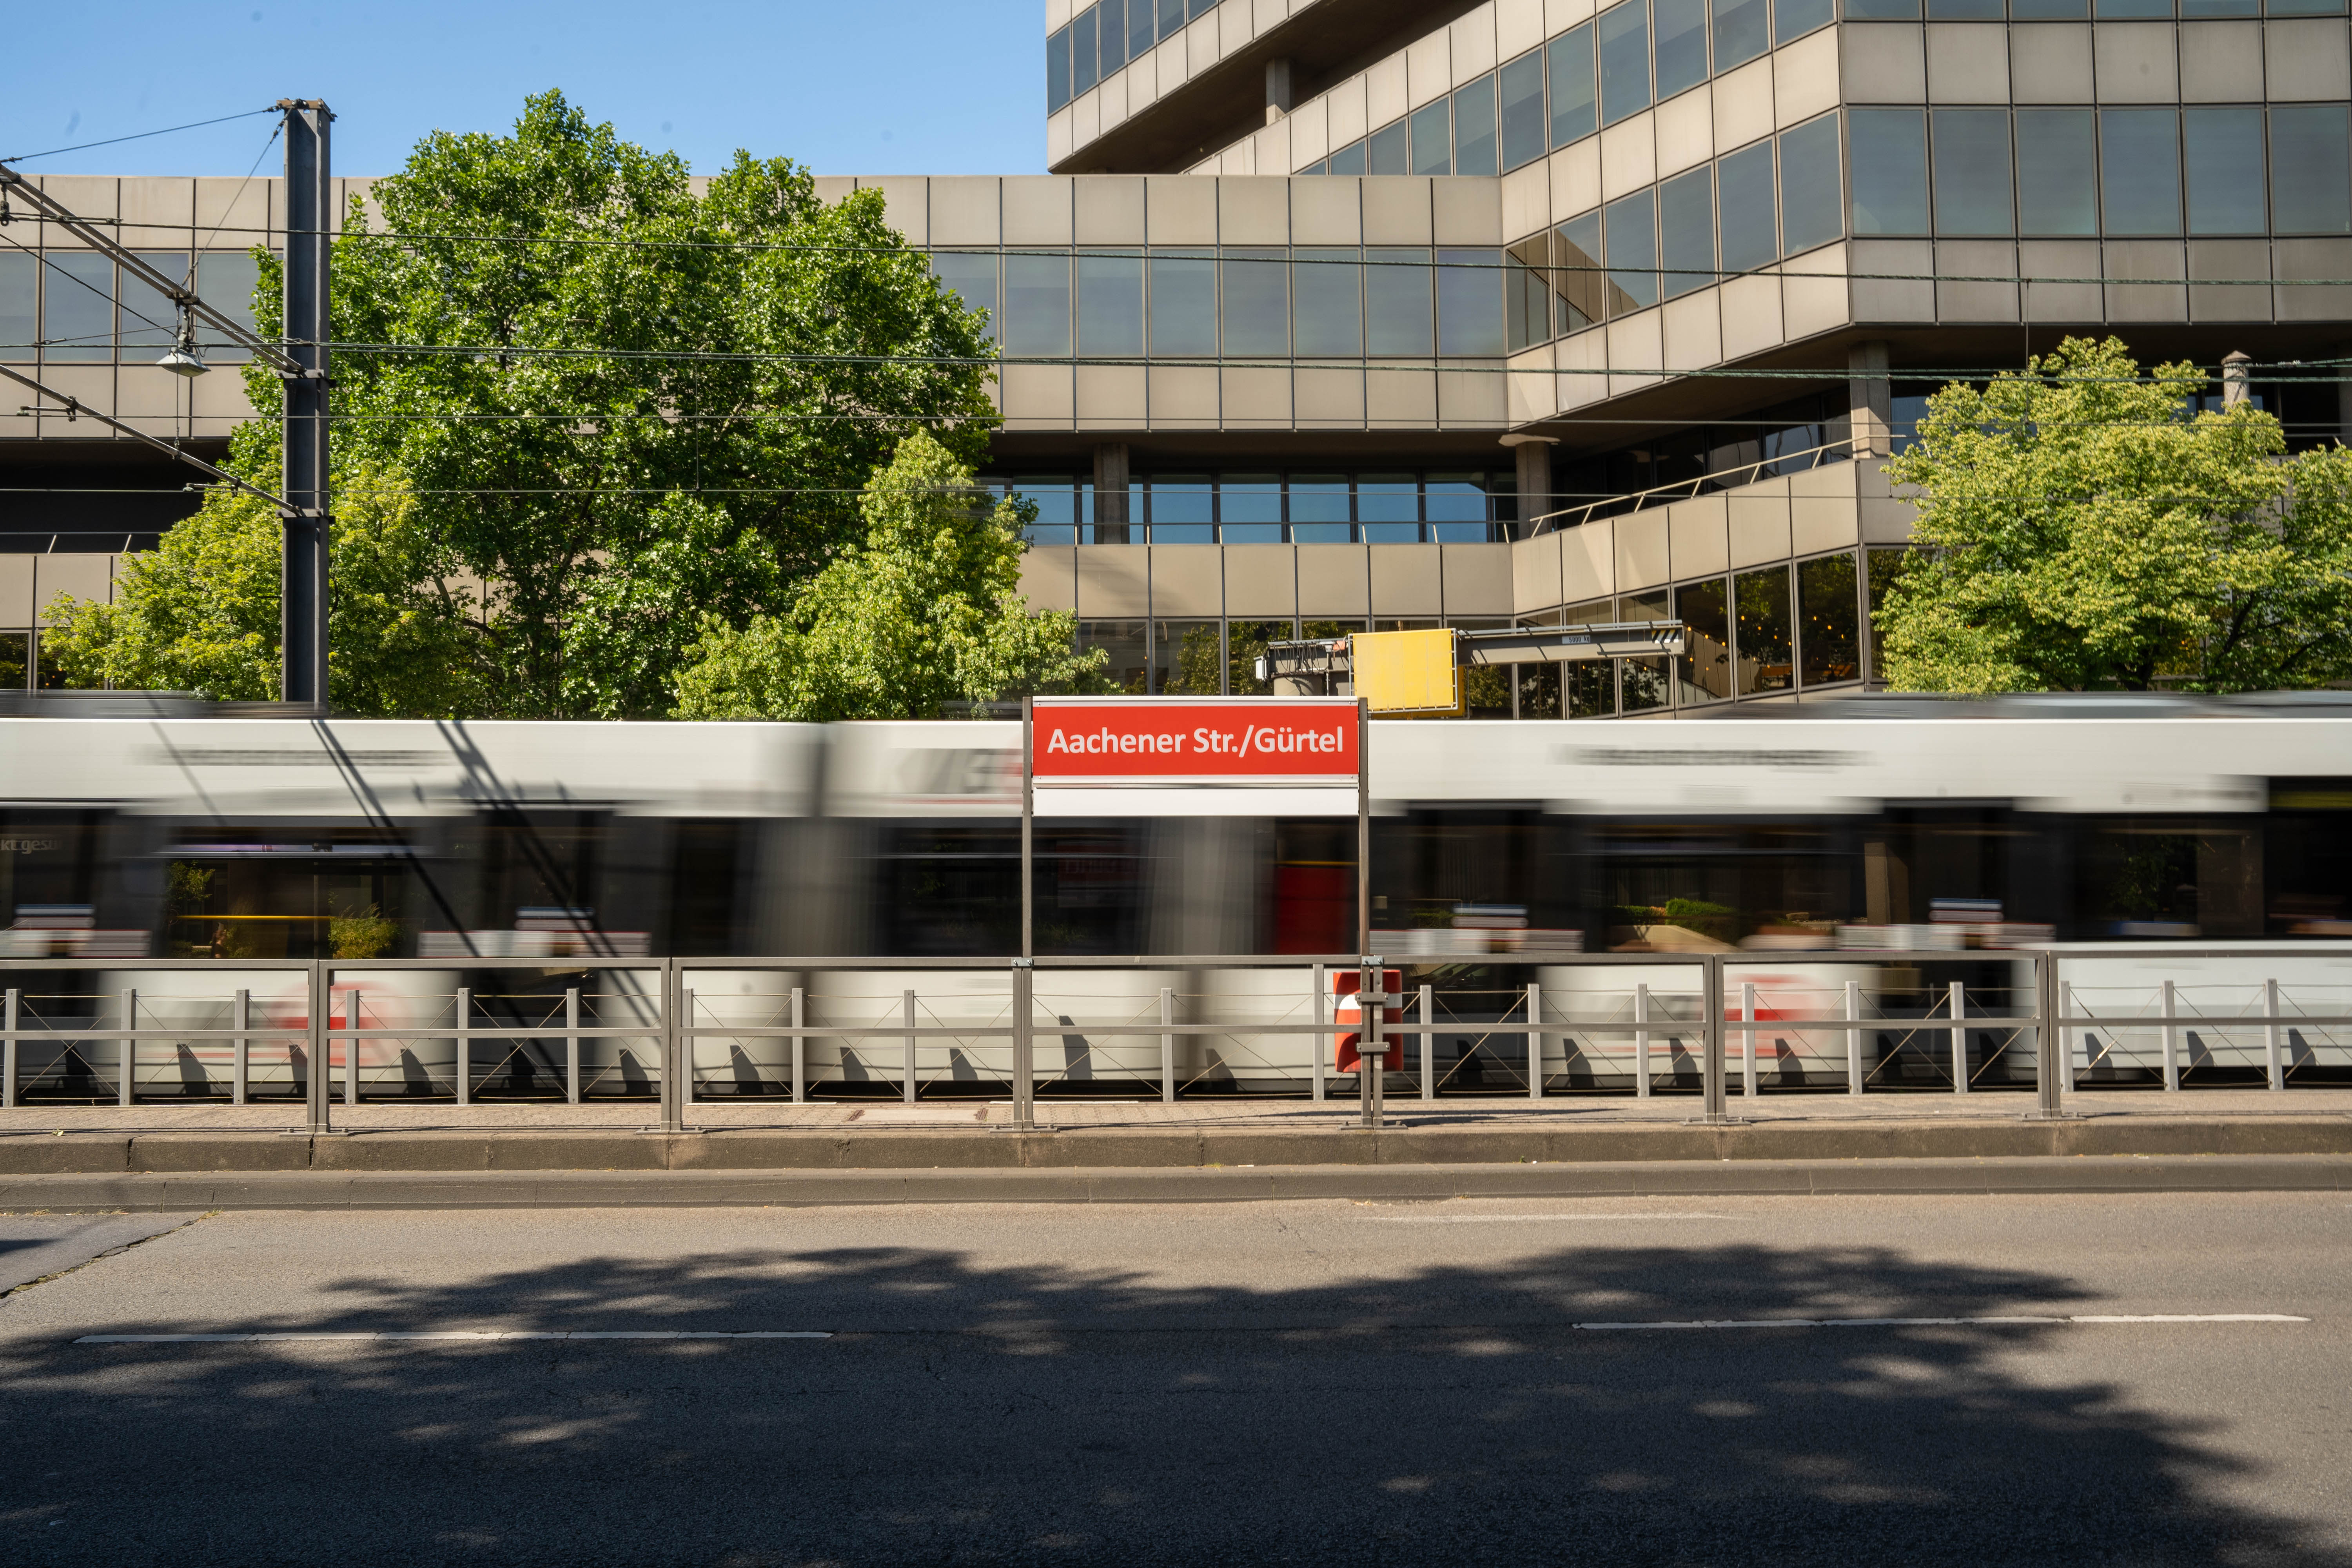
[[1348, 314]]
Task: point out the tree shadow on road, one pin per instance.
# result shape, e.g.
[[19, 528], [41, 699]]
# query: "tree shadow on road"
[[971, 1412]]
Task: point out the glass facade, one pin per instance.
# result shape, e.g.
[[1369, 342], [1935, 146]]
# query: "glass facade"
[[77, 306], [1376, 507], [1104, 37]]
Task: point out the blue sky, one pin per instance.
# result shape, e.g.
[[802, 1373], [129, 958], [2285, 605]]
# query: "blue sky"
[[845, 86]]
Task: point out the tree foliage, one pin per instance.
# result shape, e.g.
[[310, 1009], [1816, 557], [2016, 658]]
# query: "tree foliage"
[[200, 612], [624, 408], [2082, 527], [927, 611]]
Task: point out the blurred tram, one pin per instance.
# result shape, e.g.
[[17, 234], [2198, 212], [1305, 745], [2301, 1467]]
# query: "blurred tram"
[[1804, 840]]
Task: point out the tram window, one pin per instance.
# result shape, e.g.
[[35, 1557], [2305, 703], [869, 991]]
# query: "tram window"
[[953, 890], [1704, 672], [1825, 619], [2172, 879], [1314, 886], [2308, 847], [1766, 663]]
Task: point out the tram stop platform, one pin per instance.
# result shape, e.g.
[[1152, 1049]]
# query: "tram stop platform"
[[212, 1155]]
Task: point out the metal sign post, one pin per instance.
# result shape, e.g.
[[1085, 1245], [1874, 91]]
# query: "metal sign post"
[[1025, 972]]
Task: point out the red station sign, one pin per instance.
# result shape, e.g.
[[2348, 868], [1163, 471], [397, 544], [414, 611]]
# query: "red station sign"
[[1164, 740]]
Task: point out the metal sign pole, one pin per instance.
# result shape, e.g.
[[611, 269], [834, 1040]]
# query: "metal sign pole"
[[1363, 827], [1025, 974]]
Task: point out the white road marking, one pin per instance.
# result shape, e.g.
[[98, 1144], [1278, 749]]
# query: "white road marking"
[[1941, 1322], [1523, 1218], [462, 1334]]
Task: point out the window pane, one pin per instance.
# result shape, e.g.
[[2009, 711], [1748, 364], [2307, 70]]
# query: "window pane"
[[1319, 513], [1083, 74], [1686, 230], [1795, 18], [1743, 29], [1624, 60], [1139, 34], [1113, 26], [1527, 294], [1973, 172], [1396, 303], [1348, 160], [1458, 508], [2057, 172], [2309, 177], [1184, 304], [968, 274], [1057, 70], [1390, 149], [1825, 610], [1249, 509], [226, 280], [1682, 44], [1171, 17], [1470, 302], [1539, 688], [2225, 170], [1329, 303], [1591, 688], [150, 322], [1127, 644], [1256, 304], [1432, 139], [1632, 240], [1577, 277], [1702, 673], [1244, 642], [77, 306], [1474, 129], [1111, 304], [1389, 508], [2306, 7], [1965, 10], [1643, 682], [20, 293], [1057, 508], [2049, 10], [1746, 210], [1766, 662], [1811, 210], [1182, 509], [2140, 170], [1890, 172], [1881, 10], [2128, 10], [1197, 9], [1188, 659], [1037, 305], [1523, 110], [1575, 112]]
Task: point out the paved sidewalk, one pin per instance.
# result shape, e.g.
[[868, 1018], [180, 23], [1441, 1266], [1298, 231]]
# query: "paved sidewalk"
[[1271, 1115]]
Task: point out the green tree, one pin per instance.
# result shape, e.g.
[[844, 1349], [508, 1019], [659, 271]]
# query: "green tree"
[[623, 407], [2084, 527], [200, 612], [926, 611]]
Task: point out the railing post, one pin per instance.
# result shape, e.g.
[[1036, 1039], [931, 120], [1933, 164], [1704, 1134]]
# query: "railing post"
[[906, 1008], [350, 1045], [1323, 1043], [1166, 1048], [2054, 1050], [572, 1044], [1711, 1023], [240, 1049], [1372, 1052], [1854, 1078], [685, 1038], [11, 1011], [315, 1095], [2171, 1038], [1641, 1040], [1024, 1044], [2274, 1057], [1959, 1038], [800, 1046], [1428, 1041], [465, 1020], [1535, 1041], [1748, 1039], [127, 1058]]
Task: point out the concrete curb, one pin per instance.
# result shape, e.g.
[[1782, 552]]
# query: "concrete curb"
[[1179, 1148], [1389, 1182]]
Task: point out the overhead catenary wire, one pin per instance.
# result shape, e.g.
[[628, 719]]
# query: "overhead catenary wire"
[[139, 135]]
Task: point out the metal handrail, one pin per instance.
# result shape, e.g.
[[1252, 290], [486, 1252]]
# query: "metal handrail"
[[1684, 489]]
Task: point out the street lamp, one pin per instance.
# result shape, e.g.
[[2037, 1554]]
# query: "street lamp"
[[184, 359]]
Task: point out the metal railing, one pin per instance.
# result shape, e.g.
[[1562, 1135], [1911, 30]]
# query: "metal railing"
[[477, 1030], [1698, 485]]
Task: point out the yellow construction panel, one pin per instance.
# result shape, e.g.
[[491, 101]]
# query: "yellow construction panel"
[[1408, 672]]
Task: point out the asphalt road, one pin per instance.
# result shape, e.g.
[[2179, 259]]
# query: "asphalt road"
[[1280, 1383]]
